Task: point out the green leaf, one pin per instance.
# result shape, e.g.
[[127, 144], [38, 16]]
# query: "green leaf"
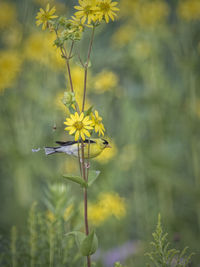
[[75, 179], [87, 112], [93, 175], [79, 237], [89, 245]]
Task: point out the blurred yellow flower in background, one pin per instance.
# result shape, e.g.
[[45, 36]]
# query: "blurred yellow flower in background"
[[141, 49], [8, 14], [105, 81], [37, 47], [107, 154], [77, 74], [108, 204], [77, 78], [189, 9], [123, 35], [151, 13], [10, 65], [40, 47], [145, 13]]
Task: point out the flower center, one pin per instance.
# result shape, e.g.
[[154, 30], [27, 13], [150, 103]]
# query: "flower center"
[[97, 121], [45, 17], [87, 10], [78, 125], [105, 7]]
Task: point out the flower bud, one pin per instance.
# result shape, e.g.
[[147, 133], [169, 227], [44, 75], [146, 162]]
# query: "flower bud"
[[68, 99]]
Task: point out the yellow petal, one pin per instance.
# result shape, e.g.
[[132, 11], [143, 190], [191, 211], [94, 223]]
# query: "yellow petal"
[[73, 117], [53, 17], [76, 136], [52, 11], [88, 127], [41, 11], [106, 18], [73, 129], [81, 116], [86, 132], [82, 135], [47, 8], [96, 113], [78, 7]]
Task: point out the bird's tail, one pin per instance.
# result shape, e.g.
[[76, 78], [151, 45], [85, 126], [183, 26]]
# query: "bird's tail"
[[50, 150]]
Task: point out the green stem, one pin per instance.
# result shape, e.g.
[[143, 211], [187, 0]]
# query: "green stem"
[[86, 68]]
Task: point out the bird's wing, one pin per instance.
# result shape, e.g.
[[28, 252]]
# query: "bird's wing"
[[69, 143]]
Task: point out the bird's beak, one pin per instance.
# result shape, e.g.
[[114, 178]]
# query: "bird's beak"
[[109, 146]]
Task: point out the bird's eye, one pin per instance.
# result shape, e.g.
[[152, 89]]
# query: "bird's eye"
[[105, 142]]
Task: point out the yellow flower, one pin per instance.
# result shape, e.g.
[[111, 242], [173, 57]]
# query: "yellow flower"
[[107, 10], [10, 65], [189, 9], [145, 13], [105, 80], [97, 214], [113, 203], [97, 123], [44, 16], [39, 47], [151, 13], [8, 14], [79, 125], [87, 11], [108, 204], [107, 154]]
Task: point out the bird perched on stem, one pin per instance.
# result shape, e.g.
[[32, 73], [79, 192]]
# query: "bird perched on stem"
[[94, 145]]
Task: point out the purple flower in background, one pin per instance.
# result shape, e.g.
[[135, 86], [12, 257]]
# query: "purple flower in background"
[[120, 253]]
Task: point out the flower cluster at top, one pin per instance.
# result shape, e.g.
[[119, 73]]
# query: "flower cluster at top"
[[83, 125], [96, 10], [89, 12]]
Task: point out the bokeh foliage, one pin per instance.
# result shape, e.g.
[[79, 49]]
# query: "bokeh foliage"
[[144, 80]]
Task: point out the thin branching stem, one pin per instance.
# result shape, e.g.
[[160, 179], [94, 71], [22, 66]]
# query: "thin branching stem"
[[67, 59], [79, 57], [86, 67]]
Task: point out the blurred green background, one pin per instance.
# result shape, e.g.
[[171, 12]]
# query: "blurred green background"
[[144, 81]]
